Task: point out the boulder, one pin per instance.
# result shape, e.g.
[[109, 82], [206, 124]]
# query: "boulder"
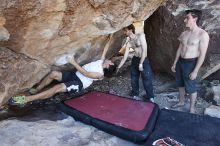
[[43, 30]]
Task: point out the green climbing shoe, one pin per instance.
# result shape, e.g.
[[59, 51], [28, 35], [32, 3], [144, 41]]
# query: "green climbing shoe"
[[18, 100]]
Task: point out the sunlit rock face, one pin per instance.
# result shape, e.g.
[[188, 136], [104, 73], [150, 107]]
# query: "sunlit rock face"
[[166, 24], [45, 30]]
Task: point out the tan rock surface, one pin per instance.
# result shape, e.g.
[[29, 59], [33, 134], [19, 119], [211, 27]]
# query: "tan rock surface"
[[17, 73], [44, 29]]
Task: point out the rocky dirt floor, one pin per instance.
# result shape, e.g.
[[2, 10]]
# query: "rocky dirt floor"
[[42, 124]]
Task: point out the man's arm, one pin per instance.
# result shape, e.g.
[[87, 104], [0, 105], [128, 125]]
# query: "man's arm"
[[93, 75], [203, 46], [124, 57], [106, 48], [144, 51], [178, 52]]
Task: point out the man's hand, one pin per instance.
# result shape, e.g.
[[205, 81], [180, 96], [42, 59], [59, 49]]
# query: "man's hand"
[[140, 67], [173, 68], [71, 59], [193, 75]]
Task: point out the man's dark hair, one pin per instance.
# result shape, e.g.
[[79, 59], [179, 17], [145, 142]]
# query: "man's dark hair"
[[195, 14], [131, 27], [108, 72]]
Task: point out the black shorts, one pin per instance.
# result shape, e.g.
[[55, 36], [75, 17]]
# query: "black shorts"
[[71, 81], [183, 69]]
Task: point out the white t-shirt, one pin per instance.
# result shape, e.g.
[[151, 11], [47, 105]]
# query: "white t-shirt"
[[95, 66]]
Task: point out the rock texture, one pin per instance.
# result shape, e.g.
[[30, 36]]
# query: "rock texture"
[[166, 24], [18, 72], [213, 111], [44, 30]]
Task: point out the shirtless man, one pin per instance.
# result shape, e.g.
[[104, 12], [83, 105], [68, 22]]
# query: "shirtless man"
[[140, 63], [71, 82], [190, 57]]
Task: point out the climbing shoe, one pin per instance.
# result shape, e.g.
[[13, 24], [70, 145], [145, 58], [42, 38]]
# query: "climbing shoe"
[[18, 100]]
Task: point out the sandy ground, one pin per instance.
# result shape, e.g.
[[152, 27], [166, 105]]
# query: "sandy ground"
[[42, 124]]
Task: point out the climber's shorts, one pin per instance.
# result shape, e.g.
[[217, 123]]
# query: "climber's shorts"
[[183, 69], [71, 81]]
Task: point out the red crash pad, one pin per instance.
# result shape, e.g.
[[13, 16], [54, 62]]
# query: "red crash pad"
[[120, 111]]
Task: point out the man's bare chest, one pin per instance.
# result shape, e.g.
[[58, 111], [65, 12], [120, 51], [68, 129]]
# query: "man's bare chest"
[[135, 43], [190, 40]]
